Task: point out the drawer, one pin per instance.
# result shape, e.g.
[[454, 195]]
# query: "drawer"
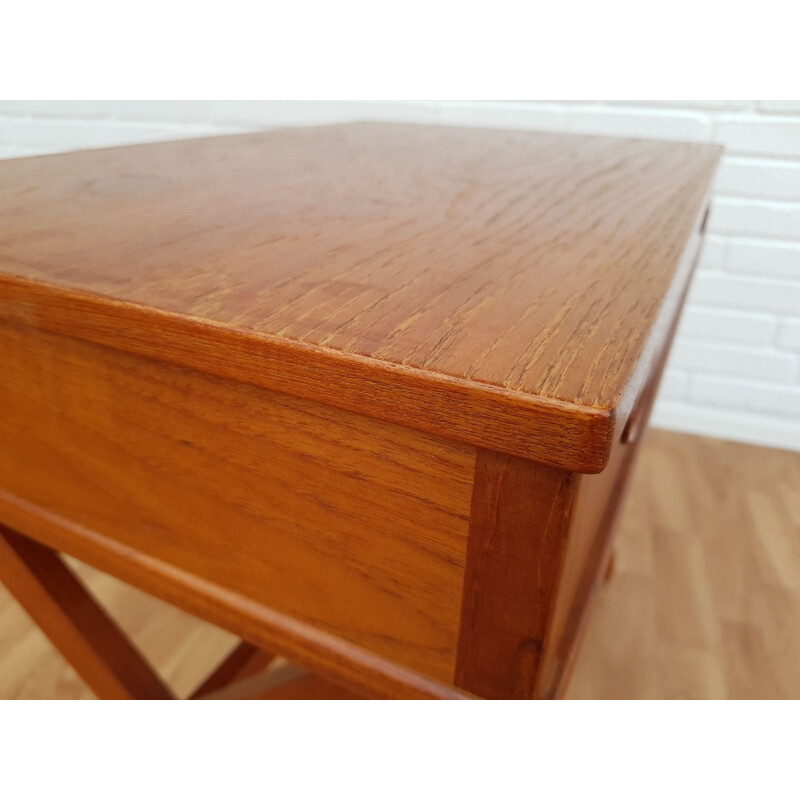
[[354, 526]]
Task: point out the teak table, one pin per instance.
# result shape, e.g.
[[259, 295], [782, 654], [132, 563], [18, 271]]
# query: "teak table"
[[367, 395]]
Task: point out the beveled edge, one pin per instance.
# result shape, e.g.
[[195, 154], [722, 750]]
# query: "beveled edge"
[[554, 432]]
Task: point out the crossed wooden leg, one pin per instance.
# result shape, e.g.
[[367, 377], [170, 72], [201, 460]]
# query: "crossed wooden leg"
[[104, 657], [611, 566]]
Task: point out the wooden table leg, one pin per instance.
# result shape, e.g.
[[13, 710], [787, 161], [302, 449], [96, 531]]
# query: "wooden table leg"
[[611, 566], [244, 661], [58, 603], [517, 541]]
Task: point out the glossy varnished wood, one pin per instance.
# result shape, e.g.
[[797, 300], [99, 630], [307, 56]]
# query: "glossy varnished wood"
[[244, 661], [254, 500], [60, 605], [704, 602], [349, 666], [308, 687], [497, 287], [598, 504], [333, 389], [518, 537]]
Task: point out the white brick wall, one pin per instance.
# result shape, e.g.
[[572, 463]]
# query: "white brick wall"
[[735, 369]]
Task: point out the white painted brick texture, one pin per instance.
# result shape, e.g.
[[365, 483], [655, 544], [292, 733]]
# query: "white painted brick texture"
[[735, 369], [745, 292], [724, 325], [789, 335]]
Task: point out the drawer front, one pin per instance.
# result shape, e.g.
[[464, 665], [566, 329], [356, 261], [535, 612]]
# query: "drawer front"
[[352, 525]]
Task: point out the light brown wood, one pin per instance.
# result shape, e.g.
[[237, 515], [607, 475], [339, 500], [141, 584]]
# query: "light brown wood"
[[540, 540], [258, 494], [254, 686], [599, 502], [591, 535], [608, 572], [283, 681], [182, 648], [58, 603], [308, 687], [348, 665], [333, 389], [497, 287], [448, 407], [244, 661], [704, 603], [518, 537]]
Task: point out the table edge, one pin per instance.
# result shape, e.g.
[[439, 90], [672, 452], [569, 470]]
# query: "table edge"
[[555, 432]]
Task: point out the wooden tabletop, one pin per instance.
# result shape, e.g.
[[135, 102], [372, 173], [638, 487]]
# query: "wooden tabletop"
[[496, 287]]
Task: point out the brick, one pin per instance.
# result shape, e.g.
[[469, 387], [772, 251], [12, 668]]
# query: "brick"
[[759, 135], [742, 395], [763, 429], [250, 114], [197, 112], [525, 116], [728, 326], [272, 114], [758, 177], [261, 114], [9, 151], [641, 123], [711, 105], [62, 109], [59, 136], [780, 106], [713, 253], [763, 257], [755, 217], [751, 294], [673, 384], [789, 334], [754, 363]]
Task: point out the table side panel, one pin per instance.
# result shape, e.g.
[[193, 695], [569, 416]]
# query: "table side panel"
[[600, 498], [598, 502], [354, 526]]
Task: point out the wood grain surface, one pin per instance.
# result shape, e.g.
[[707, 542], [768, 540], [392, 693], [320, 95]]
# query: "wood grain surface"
[[497, 287], [599, 501], [255, 500], [704, 602], [89, 639], [517, 541], [244, 661]]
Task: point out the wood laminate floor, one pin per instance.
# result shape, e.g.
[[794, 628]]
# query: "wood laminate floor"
[[704, 603]]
